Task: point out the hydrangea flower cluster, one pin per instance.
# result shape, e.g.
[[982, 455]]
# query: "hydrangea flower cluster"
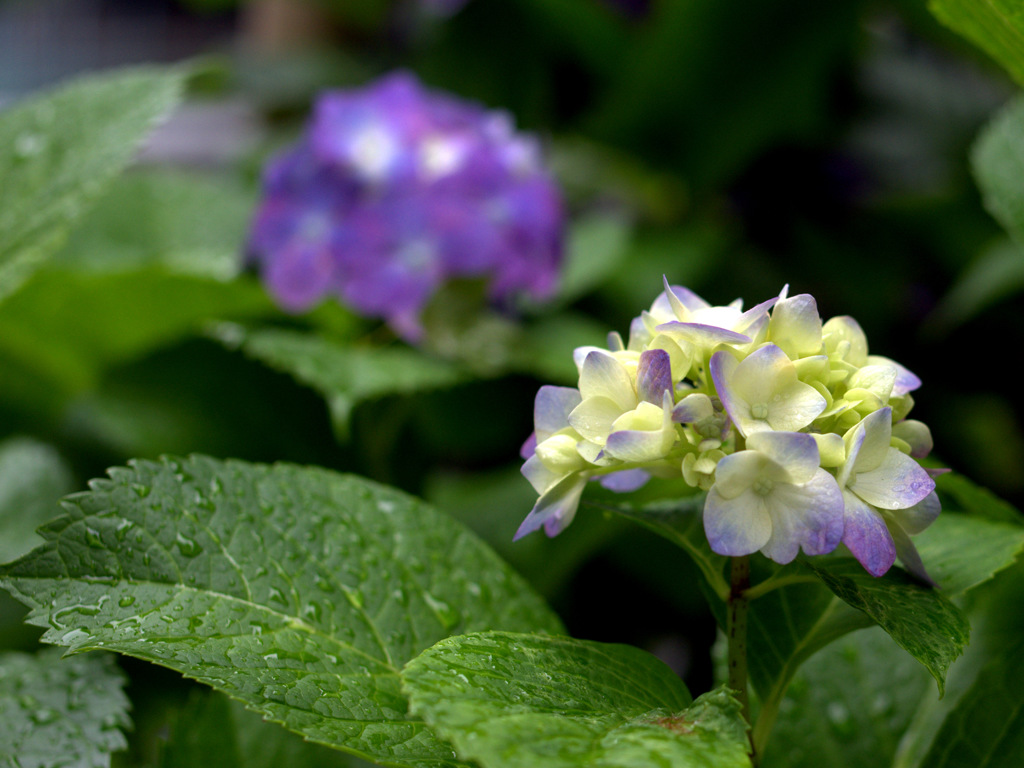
[[394, 190], [796, 433]]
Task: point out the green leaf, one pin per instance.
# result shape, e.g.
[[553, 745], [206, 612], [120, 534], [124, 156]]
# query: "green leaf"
[[513, 700], [59, 151], [57, 711], [848, 706], [344, 375], [33, 477], [918, 618], [963, 551], [190, 223], [995, 26], [211, 729], [986, 729], [297, 590], [997, 159], [959, 493]]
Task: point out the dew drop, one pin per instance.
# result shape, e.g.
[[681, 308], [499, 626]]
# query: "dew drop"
[[93, 538], [355, 597], [187, 546], [125, 601]]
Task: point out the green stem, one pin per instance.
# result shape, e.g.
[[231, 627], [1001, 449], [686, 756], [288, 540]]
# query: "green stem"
[[775, 582], [736, 631]]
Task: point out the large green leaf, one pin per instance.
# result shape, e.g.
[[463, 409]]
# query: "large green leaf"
[[963, 551], [997, 160], [918, 618], [849, 706], [59, 151], [33, 477], [297, 590], [211, 729], [60, 712], [191, 223], [996, 26], [986, 729], [344, 375], [508, 700]]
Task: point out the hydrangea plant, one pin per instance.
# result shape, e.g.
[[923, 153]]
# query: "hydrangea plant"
[[796, 433], [395, 189]]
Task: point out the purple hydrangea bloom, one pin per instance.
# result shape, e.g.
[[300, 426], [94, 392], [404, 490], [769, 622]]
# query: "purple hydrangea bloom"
[[395, 189]]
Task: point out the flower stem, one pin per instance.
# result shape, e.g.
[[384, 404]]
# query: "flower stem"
[[736, 630]]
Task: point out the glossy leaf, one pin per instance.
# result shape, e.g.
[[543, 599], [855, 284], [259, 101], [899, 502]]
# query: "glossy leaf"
[[986, 728], [962, 551], [297, 590], [848, 706], [513, 700], [918, 618], [59, 151], [995, 26], [61, 712], [211, 729], [344, 375]]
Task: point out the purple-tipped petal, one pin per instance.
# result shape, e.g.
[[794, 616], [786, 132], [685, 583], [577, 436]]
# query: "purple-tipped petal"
[[807, 516], [897, 483], [918, 517], [555, 509], [551, 409], [529, 447], [693, 408], [604, 376], [625, 481], [699, 333], [682, 300], [653, 376], [796, 452], [867, 537], [737, 526]]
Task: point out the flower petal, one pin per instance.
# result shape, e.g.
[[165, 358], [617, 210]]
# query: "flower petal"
[[795, 326], [897, 483], [593, 418], [915, 434], [551, 409], [808, 516], [653, 376], [604, 376], [737, 526], [918, 517], [540, 477], [555, 509], [702, 334], [866, 536], [796, 452], [625, 481]]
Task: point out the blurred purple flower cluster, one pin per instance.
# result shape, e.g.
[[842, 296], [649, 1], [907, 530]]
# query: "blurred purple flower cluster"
[[395, 189]]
